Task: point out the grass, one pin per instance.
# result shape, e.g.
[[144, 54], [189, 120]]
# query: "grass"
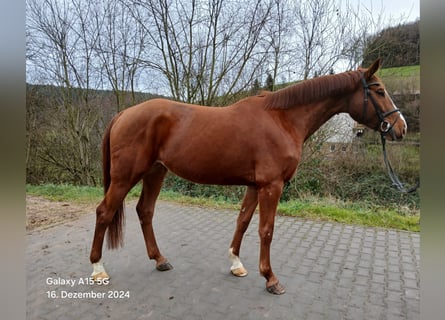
[[65, 192], [351, 213], [75, 194], [408, 71], [312, 208], [401, 79]]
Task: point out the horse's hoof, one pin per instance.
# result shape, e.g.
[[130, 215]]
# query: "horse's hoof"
[[164, 266], [276, 288], [101, 276], [239, 272]]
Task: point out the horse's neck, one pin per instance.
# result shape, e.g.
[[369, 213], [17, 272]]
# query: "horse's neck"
[[311, 117]]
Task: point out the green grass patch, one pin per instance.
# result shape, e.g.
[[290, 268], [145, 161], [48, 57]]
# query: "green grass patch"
[[76, 194], [313, 208], [358, 214], [408, 71], [66, 192], [211, 202], [401, 79]]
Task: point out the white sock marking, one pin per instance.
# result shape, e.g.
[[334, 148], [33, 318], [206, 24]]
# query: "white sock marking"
[[98, 267], [236, 262]]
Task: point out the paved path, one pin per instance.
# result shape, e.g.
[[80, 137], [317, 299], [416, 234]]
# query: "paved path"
[[331, 271]]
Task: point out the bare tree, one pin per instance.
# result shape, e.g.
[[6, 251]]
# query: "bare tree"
[[278, 35], [319, 39], [361, 23], [61, 49], [203, 49], [119, 49]]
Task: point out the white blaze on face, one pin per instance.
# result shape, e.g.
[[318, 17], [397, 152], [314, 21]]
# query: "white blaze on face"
[[395, 107]]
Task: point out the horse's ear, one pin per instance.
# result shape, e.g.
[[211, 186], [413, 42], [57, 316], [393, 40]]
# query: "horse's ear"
[[373, 69]]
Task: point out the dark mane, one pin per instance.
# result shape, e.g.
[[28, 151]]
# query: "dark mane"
[[312, 90]]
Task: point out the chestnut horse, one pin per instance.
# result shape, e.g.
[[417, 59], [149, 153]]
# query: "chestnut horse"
[[256, 142]]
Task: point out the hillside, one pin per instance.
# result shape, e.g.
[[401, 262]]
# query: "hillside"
[[401, 80], [398, 45]]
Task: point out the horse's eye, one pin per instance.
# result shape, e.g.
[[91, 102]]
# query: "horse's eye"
[[381, 92]]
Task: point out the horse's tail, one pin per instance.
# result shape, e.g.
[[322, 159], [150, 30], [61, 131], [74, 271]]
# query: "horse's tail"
[[115, 228]]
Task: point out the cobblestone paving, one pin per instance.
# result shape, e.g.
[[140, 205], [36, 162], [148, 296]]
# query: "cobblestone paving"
[[331, 271]]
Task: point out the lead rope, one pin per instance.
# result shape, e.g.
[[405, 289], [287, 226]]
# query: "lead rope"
[[395, 180]]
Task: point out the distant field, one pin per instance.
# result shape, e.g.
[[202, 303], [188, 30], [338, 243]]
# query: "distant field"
[[409, 71], [401, 79]]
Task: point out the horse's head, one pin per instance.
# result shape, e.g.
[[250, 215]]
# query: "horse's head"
[[373, 107]]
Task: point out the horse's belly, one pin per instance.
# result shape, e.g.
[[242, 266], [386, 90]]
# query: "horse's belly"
[[206, 173]]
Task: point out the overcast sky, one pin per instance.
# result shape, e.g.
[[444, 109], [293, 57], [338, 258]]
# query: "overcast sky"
[[394, 10]]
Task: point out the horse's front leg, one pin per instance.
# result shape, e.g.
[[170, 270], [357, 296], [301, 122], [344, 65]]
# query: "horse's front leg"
[[268, 198], [248, 207], [152, 183]]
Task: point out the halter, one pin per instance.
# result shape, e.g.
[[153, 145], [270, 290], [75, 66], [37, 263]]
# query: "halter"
[[385, 128]]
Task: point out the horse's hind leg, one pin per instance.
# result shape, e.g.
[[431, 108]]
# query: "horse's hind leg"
[[111, 206], [152, 183], [248, 207]]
